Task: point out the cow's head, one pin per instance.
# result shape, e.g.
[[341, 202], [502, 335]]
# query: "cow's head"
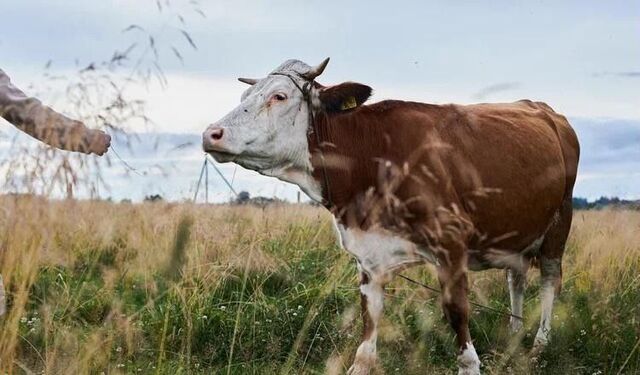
[[268, 131]]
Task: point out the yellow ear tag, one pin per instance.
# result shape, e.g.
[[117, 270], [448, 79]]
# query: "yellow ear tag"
[[349, 103]]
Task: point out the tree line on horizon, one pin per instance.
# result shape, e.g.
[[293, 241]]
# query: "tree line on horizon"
[[580, 203]]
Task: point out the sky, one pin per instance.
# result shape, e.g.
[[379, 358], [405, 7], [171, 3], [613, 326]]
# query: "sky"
[[581, 57]]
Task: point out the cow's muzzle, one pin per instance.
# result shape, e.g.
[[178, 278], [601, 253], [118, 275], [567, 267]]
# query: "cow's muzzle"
[[213, 139]]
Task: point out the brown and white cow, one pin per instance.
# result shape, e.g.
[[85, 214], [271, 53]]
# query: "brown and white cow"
[[461, 186]]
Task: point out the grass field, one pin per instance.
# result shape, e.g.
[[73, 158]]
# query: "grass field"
[[96, 287]]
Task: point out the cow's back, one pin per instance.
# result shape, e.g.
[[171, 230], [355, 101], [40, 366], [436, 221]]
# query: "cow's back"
[[525, 156]]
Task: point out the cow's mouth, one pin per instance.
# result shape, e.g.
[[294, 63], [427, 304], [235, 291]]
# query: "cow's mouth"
[[222, 156]]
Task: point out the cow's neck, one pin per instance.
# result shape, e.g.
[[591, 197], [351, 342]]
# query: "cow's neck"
[[343, 148]]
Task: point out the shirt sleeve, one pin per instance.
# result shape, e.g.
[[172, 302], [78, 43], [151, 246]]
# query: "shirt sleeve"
[[39, 121]]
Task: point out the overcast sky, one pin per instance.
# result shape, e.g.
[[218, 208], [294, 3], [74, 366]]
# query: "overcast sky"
[[581, 57]]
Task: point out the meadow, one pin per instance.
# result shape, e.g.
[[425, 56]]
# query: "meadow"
[[165, 288]]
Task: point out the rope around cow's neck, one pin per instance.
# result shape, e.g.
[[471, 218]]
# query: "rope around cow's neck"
[[306, 94]]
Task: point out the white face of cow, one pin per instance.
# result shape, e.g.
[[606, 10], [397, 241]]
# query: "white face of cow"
[[267, 132]]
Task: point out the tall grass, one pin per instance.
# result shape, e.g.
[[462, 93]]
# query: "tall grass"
[[166, 288]]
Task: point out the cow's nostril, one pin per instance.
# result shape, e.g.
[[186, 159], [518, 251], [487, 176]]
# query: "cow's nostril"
[[216, 134]]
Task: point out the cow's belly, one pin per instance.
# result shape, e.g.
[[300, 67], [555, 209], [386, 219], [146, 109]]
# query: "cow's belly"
[[379, 252]]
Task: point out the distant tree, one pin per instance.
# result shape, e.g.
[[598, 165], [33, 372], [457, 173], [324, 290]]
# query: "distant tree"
[[580, 203], [243, 198], [153, 198]]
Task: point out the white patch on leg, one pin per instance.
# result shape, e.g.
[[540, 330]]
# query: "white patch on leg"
[[547, 294], [550, 272], [516, 295], [366, 357], [468, 361]]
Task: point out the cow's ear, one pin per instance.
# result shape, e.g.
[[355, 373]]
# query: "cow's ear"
[[344, 97]]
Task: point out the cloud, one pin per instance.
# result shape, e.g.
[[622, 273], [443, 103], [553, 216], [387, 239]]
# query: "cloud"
[[494, 89], [623, 74], [608, 143]]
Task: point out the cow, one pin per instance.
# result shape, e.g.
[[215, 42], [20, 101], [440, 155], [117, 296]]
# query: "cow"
[[463, 187]]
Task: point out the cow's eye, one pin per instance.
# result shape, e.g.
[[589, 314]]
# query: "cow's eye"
[[279, 97]]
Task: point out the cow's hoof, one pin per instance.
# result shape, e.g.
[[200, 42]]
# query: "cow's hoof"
[[535, 351], [359, 369], [468, 361], [362, 366], [469, 371], [515, 325], [539, 343]]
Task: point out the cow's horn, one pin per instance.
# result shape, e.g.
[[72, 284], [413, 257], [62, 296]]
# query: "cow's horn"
[[314, 72], [248, 81]]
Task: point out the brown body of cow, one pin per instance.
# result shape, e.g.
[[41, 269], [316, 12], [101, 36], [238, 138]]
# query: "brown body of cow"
[[461, 186], [508, 168], [485, 185]]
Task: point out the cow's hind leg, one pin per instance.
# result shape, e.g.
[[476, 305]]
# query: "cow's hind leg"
[[551, 270], [551, 277], [371, 301], [516, 280], [453, 280]]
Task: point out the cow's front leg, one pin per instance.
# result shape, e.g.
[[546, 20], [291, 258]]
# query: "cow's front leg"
[[371, 301], [453, 280]]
